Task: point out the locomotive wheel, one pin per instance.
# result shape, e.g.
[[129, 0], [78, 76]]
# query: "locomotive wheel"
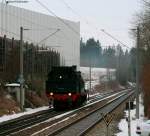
[[70, 104], [79, 101], [56, 105]]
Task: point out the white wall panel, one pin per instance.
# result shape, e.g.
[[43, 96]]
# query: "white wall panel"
[[41, 27]]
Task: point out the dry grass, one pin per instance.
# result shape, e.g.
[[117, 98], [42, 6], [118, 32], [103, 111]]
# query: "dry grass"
[[37, 100], [7, 104]]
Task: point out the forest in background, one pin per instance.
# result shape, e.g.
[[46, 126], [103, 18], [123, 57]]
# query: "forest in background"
[[95, 55]]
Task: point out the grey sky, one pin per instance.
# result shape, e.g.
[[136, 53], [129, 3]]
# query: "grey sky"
[[115, 16]]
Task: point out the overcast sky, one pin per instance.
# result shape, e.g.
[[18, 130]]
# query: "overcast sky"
[[114, 16]]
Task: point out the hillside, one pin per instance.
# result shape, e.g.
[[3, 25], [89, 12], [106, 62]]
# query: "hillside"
[[9, 104]]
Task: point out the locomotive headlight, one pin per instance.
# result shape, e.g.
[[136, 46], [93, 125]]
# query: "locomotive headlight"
[[51, 93], [69, 94]]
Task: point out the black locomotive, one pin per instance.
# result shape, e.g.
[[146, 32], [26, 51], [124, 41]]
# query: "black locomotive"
[[65, 87]]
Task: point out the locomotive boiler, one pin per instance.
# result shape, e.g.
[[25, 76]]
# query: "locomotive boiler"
[[65, 87]]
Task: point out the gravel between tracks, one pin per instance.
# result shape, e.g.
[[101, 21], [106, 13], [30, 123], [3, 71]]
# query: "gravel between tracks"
[[54, 123], [100, 128]]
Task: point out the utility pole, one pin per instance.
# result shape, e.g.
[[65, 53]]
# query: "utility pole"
[[137, 73], [90, 79], [118, 62], [129, 121], [21, 70], [108, 78], [22, 97]]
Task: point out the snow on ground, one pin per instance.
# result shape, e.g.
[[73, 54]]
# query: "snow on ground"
[[93, 83], [96, 73], [12, 85], [29, 111], [123, 125], [92, 95]]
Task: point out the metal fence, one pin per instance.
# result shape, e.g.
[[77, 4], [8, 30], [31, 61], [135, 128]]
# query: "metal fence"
[[37, 60]]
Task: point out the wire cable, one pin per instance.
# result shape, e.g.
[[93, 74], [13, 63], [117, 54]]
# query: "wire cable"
[[77, 14], [115, 38], [48, 36], [61, 20], [87, 22], [18, 35]]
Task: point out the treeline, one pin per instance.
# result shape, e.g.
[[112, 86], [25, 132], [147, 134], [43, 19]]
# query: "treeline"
[[37, 62], [92, 53]]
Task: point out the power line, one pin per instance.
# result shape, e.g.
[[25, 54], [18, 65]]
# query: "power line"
[[76, 13], [48, 36], [18, 35], [39, 27], [61, 20], [15, 1], [27, 38], [115, 38], [29, 21], [70, 8], [44, 28], [85, 20]]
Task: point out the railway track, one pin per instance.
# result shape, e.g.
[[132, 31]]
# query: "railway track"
[[20, 123], [15, 125], [84, 124]]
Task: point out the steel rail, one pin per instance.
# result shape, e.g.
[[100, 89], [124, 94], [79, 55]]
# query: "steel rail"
[[65, 128], [14, 125], [100, 119]]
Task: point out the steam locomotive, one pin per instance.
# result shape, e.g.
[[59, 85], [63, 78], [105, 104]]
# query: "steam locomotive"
[[65, 87]]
